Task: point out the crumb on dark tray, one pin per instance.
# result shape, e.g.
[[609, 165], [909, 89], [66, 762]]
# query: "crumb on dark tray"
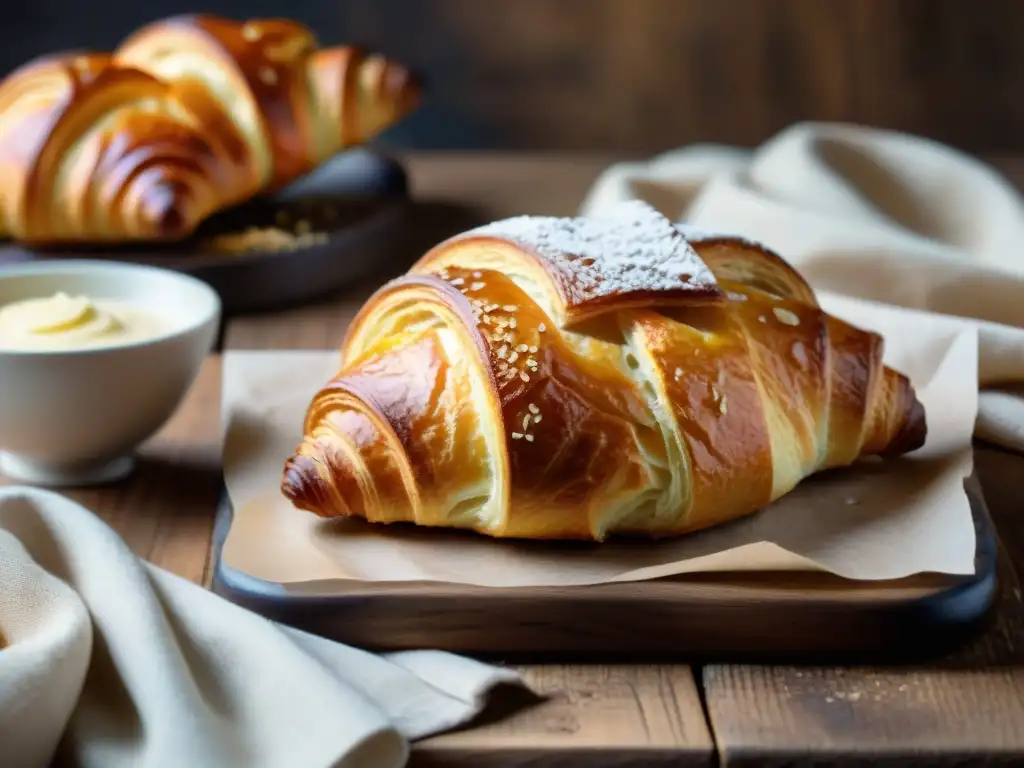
[[285, 234]]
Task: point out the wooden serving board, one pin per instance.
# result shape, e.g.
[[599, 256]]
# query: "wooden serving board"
[[713, 616], [356, 204]]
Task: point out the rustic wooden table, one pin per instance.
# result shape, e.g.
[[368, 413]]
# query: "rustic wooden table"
[[968, 708]]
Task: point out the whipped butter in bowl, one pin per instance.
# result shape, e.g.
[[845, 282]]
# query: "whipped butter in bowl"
[[64, 321], [95, 357]]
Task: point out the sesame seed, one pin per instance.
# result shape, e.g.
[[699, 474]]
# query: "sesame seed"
[[517, 435], [533, 408], [502, 322], [478, 275], [721, 406], [512, 322], [268, 75], [541, 328], [537, 418], [491, 307], [678, 374], [532, 348], [526, 421], [531, 364], [486, 318], [502, 351], [510, 307], [785, 316], [476, 286], [458, 281], [513, 357], [521, 348], [251, 33], [762, 319], [524, 376], [529, 438]]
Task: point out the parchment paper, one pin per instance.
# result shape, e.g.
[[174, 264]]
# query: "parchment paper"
[[877, 520]]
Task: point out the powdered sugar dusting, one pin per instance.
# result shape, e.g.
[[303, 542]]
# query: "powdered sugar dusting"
[[630, 248]]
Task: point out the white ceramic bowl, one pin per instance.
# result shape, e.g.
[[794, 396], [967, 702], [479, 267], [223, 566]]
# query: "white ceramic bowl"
[[76, 417]]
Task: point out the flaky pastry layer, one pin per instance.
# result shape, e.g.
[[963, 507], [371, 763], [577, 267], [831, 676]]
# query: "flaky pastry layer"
[[500, 388]]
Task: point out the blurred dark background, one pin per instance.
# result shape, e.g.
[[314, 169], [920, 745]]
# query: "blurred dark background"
[[637, 76]]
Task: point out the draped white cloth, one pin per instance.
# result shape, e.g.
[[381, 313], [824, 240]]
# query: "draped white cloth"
[[108, 661]]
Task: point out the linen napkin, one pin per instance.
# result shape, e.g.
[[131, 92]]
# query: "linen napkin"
[[109, 661], [876, 215]]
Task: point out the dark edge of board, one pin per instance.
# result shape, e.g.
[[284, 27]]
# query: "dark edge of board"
[[708, 618]]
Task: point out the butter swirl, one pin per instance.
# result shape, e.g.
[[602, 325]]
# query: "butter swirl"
[[67, 322]]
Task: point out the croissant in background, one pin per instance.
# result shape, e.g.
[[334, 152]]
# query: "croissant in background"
[[188, 116], [574, 378]]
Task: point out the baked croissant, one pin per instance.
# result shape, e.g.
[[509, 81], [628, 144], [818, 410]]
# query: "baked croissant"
[[551, 378], [188, 116]]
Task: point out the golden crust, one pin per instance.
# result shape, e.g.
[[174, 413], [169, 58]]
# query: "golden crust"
[[717, 407], [139, 173], [268, 92], [469, 406], [189, 115]]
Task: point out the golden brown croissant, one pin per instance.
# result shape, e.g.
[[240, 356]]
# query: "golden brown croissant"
[[575, 378], [188, 116]]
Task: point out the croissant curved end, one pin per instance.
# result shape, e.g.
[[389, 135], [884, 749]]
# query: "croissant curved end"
[[162, 212], [304, 488], [370, 448], [914, 429], [403, 87]]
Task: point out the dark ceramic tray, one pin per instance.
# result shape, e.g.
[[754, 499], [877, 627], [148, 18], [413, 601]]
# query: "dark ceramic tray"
[[357, 202]]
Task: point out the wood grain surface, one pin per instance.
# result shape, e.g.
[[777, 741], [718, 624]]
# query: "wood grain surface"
[[639, 75], [966, 709], [594, 715]]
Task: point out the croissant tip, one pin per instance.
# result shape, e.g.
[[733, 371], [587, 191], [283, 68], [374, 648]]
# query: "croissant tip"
[[163, 213], [301, 486], [912, 432], [293, 481], [407, 87]]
